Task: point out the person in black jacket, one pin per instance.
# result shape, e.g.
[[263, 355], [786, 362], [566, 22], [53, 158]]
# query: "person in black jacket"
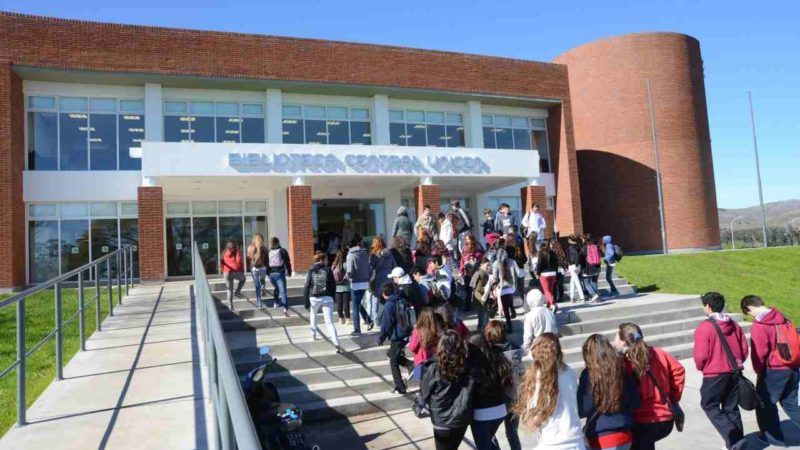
[[576, 261], [397, 337], [607, 396], [279, 265], [402, 254], [319, 290], [448, 388], [489, 402]]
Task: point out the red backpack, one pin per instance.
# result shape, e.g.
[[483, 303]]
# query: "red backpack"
[[592, 255], [788, 344]]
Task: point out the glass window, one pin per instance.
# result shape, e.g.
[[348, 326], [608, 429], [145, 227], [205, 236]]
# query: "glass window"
[[253, 225], [293, 131], [415, 116], [434, 117], [228, 129], [72, 104], [519, 122], [74, 244], [179, 246], [360, 133], [202, 129], [39, 102], [177, 129], [455, 118], [107, 209], [131, 135], [73, 141], [253, 130], [397, 134], [205, 235], [510, 132], [338, 132], [129, 209], [227, 109], [504, 138], [129, 235], [42, 210], [231, 229], [538, 123], [415, 134], [177, 208], [103, 141], [131, 106], [359, 113], [230, 207], [488, 138], [201, 108], [395, 115], [541, 146], [522, 139], [436, 136], [204, 208], [42, 140], [336, 112], [252, 109], [175, 107], [292, 111], [104, 238], [255, 207], [74, 210], [316, 132], [314, 112], [455, 136], [426, 128], [103, 105], [43, 249]]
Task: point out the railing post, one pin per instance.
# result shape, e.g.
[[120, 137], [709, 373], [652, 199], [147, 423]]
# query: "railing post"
[[59, 335], [81, 314], [97, 313], [22, 375], [131, 267], [119, 282], [110, 288], [125, 269]]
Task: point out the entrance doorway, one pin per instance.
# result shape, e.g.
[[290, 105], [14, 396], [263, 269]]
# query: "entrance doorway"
[[341, 218]]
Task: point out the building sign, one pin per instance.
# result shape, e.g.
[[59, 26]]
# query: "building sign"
[[319, 163]]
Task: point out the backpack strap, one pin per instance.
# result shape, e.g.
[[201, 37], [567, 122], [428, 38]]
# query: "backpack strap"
[[728, 351], [658, 387]]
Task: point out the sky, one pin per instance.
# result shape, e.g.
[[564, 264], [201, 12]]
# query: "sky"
[[746, 46]]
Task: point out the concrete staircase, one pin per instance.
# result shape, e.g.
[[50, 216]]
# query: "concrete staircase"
[[329, 386]]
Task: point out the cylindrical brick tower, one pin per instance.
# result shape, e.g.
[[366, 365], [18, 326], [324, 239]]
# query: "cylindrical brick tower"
[[616, 161]]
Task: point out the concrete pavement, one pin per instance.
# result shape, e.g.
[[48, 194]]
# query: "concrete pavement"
[[138, 385]]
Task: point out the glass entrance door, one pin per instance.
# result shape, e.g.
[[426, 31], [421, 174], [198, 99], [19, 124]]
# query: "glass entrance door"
[[205, 234], [343, 218], [179, 247]]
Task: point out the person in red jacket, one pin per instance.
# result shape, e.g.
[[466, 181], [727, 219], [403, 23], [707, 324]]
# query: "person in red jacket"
[[233, 269], [777, 381], [719, 396], [653, 420]]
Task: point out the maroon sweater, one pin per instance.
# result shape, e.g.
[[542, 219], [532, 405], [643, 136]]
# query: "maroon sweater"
[[709, 355], [763, 340]]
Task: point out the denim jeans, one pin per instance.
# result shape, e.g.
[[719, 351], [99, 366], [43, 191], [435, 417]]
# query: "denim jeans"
[[278, 280], [259, 277], [512, 432], [777, 386], [372, 307], [355, 297], [610, 279], [483, 432], [590, 284]]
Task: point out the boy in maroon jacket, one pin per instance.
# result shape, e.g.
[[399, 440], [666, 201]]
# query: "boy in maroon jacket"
[[777, 382], [718, 394]]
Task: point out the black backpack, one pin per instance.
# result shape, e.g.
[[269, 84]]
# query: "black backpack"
[[402, 314], [319, 283], [617, 253]]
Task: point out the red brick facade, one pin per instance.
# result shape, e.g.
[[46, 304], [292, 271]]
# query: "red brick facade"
[[301, 227], [615, 147], [428, 194], [12, 163], [536, 195], [151, 232]]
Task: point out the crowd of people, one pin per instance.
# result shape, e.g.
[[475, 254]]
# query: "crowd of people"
[[627, 396]]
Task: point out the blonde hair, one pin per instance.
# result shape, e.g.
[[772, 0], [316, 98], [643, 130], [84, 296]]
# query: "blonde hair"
[[254, 249], [538, 392]]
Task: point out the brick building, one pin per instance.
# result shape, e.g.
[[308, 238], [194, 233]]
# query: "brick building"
[[116, 134]]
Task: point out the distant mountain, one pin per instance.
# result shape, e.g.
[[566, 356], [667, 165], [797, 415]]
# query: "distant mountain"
[[779, 214]]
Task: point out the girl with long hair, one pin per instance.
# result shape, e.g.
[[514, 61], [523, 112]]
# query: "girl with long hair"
[[402, 254], [657, 371], [425, 336], [489, 401], [563, 267], [547, 268], [547, 402], [448, 388], [421, 253], [496, 336], [233, 270], [470, 262], [503, 279], [381, 264], [257, 258], [517, 254], [607, 396], [342, 296]]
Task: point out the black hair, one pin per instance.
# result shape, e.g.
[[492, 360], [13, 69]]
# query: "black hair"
[[751, 301], [274, 241], [426, 207], [536, 205], [387, 289], [505, 205], [417, 271], [356, 240], [714, 300]]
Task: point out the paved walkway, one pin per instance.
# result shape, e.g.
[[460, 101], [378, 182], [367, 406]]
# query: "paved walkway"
[[138, 385]]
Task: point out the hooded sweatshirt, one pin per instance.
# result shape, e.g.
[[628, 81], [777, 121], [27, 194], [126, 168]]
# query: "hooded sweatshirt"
[[402, 224], [671, 377], [538, 320], [709, 354], [609, 251], [763, 341], [357, 266]]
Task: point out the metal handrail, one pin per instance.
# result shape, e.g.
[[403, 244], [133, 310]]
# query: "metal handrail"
[[124, 277], [233, 424]]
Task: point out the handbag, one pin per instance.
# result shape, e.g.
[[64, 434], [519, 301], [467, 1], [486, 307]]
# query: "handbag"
[[748, 397], [678, 416]]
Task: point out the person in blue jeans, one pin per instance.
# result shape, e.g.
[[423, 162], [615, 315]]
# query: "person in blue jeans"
[[610, 258], [358, 272], [257, 260], [278, 265]]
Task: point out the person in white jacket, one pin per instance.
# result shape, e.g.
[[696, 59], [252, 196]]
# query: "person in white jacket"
[[538, 321], [534, 222]]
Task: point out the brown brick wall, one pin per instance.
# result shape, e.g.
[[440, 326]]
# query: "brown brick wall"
[[537, 195], [151, 232], [614, 142], [301, 227], [12, 163], [429, 194]]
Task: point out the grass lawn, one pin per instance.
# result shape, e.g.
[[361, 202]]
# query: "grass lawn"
[[40, 321], [772, 273]]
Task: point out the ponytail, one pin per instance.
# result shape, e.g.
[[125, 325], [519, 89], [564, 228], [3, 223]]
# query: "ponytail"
[[636, 350]]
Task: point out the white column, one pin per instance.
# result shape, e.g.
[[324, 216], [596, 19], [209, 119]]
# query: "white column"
[[274, 116], [380, 120], [474, 125], [153, 113]]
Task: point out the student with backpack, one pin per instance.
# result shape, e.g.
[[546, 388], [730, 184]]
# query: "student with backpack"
[[318, 292], [233, 270], [463, 224], [381, 264], [576, 260], [358, 272], [503, 280], [257, 255], [720, 350], [489, 403], [775, 354], [396, 326], [591, 271], [478, 284], [661, 380], [343, 300], [496, 336], [279, 265], [607, 396], [612, 256], [470, 259]]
